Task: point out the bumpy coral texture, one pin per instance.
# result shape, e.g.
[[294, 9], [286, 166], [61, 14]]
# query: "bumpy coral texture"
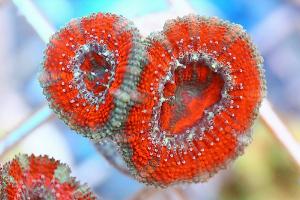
[[201, 88], [38, 178], [180, 105], [84, 67]]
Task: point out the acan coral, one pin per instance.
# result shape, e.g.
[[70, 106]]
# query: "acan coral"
[[179, 104], [202, 86], [39, 178], [85, 72]]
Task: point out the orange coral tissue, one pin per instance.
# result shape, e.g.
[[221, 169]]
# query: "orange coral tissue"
[[30, 177], [180, 104], [202, 85]]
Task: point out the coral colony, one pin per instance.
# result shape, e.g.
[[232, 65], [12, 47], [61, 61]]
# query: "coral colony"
[[179, 104], [39, 178]]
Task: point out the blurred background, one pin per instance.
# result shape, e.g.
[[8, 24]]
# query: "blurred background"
[[267, 170]]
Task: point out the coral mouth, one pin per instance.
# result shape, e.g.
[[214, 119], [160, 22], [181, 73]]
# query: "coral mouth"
[[195, 87]]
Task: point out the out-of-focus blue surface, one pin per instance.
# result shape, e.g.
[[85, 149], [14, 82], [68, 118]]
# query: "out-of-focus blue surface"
[[61, 11], [246, 13]]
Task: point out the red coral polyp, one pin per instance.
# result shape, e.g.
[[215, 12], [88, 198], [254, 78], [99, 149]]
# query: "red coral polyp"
[[40, 178], [179, 104], [84, 71], [202, 85]]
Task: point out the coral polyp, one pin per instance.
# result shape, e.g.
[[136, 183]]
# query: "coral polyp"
[[83, 74], [30, 177], [202, 85], [180, 104]]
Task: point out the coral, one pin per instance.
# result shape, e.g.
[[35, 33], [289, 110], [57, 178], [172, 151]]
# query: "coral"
[[84, 72], [201, 88], [30, 177], [180, 104]]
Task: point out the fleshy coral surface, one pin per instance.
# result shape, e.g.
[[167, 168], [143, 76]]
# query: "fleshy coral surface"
[[84, 68], [31, 177], [201, 88], [180, 105]]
